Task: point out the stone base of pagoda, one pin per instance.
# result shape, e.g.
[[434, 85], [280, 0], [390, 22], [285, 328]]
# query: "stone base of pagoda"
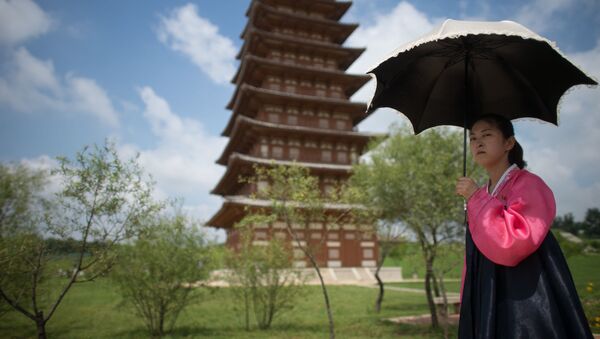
[[331, 276]]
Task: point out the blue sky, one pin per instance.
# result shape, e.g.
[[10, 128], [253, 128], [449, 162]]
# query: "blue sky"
[[154, 75]]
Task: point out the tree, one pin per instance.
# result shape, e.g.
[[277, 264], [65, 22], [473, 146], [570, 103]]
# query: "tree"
[[389, 235], [294, 198], [262, 276], [157, 272], [101, 202], [411, 180], [446, 262], [20, 197], [20, 194], [567, 223], [389, 230], [591, 223]]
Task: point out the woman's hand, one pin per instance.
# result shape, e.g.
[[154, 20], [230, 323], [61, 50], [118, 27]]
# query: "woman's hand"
[[466, 187]]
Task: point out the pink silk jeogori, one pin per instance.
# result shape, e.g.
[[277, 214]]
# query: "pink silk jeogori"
[[510, 225]]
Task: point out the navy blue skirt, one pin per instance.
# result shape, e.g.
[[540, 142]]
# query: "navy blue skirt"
[[535, 299]]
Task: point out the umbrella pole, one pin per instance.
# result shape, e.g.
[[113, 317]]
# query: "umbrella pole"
[[465, 127], [466, 114]]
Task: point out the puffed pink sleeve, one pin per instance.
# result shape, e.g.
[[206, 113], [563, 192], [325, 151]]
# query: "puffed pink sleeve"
[[507, 234]]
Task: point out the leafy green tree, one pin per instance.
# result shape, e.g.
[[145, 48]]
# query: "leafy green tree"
[[390, 232], [294, 197], [20, 197], [567, 223], [101, 202], [411, 180], [591, 222], [156, 274], [389, 236], [20, 194], [449, 257], [262, 276]]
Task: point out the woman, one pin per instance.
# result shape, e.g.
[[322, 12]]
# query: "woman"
[[516, 283]]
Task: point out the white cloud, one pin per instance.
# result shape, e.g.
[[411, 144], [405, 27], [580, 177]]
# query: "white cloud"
[[538, 15], [184, 31], [183, 162], [45, 164], [567, 157], [21, 20], [200, 211], [479, 10], [560, 167], [388, 31], [381, 37], [32, 85]]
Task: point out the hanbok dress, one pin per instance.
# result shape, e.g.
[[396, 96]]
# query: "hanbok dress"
[[516, 282]]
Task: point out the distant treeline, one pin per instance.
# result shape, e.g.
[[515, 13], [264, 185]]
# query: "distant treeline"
[[589, 226], [69, 245]]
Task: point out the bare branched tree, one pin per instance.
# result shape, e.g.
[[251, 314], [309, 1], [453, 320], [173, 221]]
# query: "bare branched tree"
[[101, 202]]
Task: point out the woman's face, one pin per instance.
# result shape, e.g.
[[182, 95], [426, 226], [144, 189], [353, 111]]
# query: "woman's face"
[[488, 145]]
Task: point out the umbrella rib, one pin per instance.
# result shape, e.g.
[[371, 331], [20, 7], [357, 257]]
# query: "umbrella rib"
[[523, 81], [450, 62]]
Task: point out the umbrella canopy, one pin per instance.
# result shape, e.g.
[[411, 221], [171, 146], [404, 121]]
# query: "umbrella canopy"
[[464, 69]]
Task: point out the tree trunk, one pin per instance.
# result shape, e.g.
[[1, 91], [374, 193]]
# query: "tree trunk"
[[161, 322], [446, 320], [314, 264], [41, 325], [436, 289], [247, 310], [430, 301], [325, 295], [380, 283]]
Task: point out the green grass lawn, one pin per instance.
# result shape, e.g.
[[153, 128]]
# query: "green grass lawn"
[[412, 262], [94, 310], [586, 274], [451, 286]]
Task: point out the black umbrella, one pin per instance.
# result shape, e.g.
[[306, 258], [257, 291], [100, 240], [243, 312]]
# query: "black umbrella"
[[464, 69]]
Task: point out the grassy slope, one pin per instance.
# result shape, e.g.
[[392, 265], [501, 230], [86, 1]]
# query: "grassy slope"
[[93, 311]]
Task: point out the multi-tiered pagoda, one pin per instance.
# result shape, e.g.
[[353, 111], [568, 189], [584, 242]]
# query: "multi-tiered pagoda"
[[291, 103]]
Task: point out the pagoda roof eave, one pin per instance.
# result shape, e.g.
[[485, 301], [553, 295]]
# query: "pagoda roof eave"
[[226, 216], [237, 161], [238, 202], [342, 5], [354, 81], [244, 86], [247, 201], [352, 106], [346, 29], [245, 124], [352, 52], [313, 130]]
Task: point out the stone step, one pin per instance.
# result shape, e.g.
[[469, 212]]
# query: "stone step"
[[331, 275]]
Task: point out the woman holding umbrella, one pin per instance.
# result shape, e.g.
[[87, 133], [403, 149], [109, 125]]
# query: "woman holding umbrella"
[[480, 76], [520, 285]]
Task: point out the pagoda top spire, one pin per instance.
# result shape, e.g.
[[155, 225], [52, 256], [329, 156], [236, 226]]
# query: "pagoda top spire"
[[275, 19], [328, 9]]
